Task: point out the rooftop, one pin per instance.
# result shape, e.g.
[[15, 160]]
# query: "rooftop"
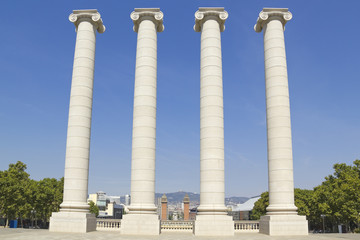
[[246, 206]]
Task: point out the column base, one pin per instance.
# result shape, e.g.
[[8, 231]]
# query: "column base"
[[140, 224], [214, 225], [284, 225], [77, 222]]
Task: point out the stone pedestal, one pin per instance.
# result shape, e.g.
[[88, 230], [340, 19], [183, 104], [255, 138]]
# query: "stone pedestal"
[[140, 224], [76, 222], [214, 225], [281, 217], [74, 213], [211, 219], [283, 225], [142, 218]]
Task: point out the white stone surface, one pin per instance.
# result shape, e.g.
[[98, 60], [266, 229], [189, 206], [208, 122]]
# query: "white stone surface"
[[280, 160], [87, 22], [211, 219], [214, 225], [147, 22], [140, 224], [283, 225], [76, 222]]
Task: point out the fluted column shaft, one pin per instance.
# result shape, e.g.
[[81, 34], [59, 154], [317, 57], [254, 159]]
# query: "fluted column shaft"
[[212, 219], [280, 160], [79, 122], [212, 186], [144, 116]]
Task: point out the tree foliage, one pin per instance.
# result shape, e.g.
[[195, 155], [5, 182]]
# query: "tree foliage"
[[260, 206], [22, 197], [94, 208], [302, 202], [14, 184], [338, 198], [49, 191], [303, 199]]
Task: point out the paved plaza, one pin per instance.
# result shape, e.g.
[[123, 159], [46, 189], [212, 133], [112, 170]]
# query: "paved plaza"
[[40, 234]]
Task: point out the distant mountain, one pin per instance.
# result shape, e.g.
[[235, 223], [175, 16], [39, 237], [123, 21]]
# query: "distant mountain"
[[178, 197]]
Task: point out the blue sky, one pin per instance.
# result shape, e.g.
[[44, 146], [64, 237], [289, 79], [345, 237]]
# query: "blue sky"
[[36, 56]]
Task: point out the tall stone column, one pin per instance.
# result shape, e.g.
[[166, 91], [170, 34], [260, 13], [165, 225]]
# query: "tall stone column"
[[212, 219], [142, 218], [281, 217], [74, 213]]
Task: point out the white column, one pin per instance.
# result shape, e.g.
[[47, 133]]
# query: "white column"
[[75, 206], [142, 218], [212, 216], [281, 209]]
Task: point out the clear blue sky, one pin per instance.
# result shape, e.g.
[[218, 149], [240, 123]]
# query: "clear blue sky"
[[36, 56]]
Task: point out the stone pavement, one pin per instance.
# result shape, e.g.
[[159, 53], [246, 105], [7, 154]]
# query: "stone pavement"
[[40, 234]]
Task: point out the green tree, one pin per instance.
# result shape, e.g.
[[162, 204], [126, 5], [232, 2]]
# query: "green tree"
[[303, 199], [260, 206], [302, 202], [94, 208], [13, 186], [338, 196], [20, 195], [30, 197], [48, 197]]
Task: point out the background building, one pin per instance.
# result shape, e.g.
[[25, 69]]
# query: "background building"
[[109, 206], [242, 211]]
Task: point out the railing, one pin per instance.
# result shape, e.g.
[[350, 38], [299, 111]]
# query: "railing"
[[108, 224], [246, 226], [173, 226]]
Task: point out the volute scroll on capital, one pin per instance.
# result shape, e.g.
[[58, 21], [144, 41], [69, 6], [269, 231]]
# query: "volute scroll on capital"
[[153, 14], [91, 15], [202, 15], [268, 14]]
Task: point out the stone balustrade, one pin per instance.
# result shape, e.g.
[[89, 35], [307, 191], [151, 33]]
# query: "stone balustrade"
[[246, 226], [173, 226], [108, 224]]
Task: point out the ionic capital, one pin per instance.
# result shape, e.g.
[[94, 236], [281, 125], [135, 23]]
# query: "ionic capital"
[[204, 14], [90, 15], [268, 14], [153, 14]]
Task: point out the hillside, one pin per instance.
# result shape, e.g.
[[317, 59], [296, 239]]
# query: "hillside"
[[177, 197]]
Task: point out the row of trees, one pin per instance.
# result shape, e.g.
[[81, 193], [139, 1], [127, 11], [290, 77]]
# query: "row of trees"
[[336, 201], [25, 198]]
